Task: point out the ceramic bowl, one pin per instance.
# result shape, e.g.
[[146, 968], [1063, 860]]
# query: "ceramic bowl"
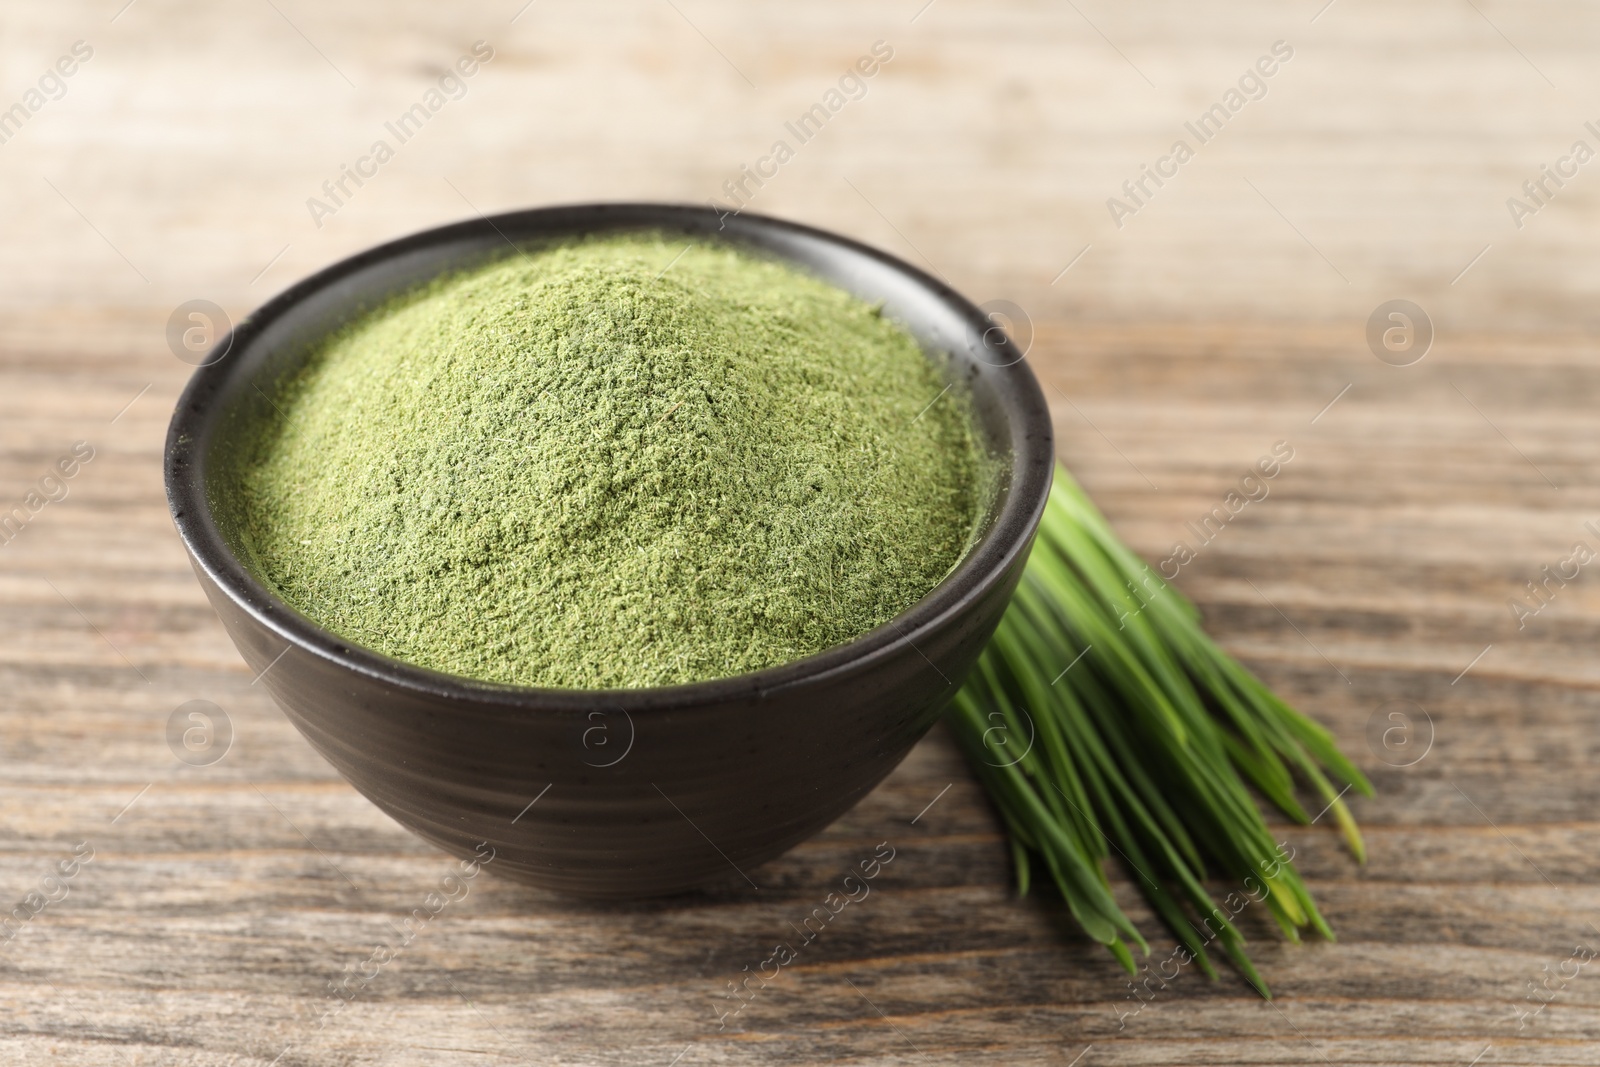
[[612, 793]]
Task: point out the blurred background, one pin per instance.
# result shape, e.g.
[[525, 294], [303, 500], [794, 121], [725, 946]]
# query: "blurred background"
[[1338, 155], [1378, 161]]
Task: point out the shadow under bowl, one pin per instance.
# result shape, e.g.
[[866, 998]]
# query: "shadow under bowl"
[[612, 793]]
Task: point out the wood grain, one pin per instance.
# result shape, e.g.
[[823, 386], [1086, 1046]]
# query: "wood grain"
[[222, 900]]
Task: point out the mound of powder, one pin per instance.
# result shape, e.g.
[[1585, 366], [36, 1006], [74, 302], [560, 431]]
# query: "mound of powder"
[[617, 462]]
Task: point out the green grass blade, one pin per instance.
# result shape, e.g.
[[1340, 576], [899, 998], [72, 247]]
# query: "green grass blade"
[[1145, 740]]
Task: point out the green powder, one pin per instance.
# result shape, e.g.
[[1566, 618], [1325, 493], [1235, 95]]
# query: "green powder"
[[609, 464]]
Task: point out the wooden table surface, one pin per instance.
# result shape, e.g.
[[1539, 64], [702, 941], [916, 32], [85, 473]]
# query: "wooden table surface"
[[1226, 313]]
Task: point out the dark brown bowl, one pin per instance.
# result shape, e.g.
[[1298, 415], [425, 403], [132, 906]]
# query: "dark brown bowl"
[[613, 792]]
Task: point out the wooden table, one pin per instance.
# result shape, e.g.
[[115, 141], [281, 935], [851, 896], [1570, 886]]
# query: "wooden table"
[[1227, 313]]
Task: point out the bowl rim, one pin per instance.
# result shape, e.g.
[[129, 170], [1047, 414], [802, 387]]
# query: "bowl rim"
[[1010, 534]]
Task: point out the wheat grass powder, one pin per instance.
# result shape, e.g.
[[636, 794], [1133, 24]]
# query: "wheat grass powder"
[[617, 462]]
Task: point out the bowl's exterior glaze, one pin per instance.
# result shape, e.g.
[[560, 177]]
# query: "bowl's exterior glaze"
[[696, 793], [633, 792]]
